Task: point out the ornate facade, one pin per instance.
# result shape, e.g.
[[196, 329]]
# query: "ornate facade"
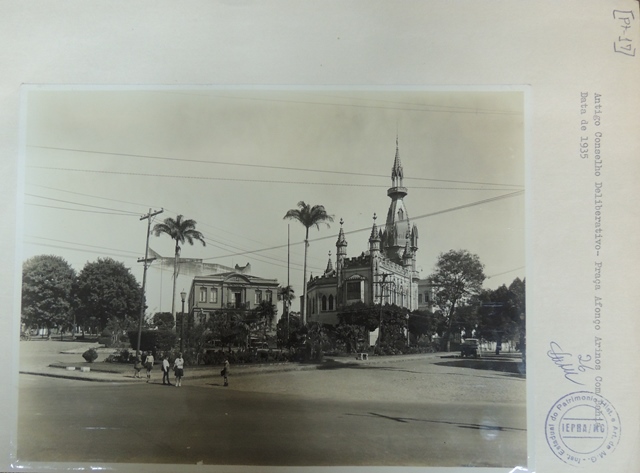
[[386, 273]]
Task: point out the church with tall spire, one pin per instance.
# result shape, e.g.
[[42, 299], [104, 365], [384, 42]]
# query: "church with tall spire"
[[383, 274]]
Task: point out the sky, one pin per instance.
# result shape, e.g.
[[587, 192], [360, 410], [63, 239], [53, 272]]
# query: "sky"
[[236, 159]]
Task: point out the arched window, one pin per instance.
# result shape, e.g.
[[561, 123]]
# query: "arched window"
[[400, 214], [331, 302], [324, 302]]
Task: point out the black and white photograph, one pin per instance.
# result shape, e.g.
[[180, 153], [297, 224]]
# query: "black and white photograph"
[[273, 276], [295, 236]]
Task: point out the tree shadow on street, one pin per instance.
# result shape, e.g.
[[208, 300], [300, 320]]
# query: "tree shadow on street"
[[332, 365], [506, 367], [462, 425]]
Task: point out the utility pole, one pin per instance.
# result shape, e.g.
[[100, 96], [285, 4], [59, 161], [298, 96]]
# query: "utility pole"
[[146, 260], [382, 283]]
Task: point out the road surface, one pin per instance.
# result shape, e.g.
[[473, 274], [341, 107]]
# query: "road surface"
[[410, 413]]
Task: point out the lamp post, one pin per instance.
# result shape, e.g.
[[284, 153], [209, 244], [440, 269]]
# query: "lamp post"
[[383, 284], [183, 295]]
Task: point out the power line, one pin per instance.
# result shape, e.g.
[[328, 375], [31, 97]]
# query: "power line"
[[260, 166], [506, 272], [80, 250], [453, 109], [432, 214], [264, 181], [88, 195], [79, 210], [77, 203], [80, 244]]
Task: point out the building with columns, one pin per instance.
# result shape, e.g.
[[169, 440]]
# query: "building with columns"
[[383, 274]]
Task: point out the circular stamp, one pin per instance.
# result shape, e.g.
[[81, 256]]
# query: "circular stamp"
[[582, 428]]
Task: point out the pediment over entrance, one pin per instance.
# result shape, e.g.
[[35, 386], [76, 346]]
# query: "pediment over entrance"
[[356, 277], [237, 278]]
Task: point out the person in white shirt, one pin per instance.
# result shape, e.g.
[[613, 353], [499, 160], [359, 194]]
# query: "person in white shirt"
[[165, 370], [178, 367]]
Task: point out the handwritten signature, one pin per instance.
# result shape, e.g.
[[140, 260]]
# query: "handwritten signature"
[[564, 361]]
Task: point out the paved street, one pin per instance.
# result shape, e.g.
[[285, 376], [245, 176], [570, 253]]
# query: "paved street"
[[424, 411]]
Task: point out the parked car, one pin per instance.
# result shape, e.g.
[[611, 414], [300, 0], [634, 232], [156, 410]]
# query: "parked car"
[[469, 348]]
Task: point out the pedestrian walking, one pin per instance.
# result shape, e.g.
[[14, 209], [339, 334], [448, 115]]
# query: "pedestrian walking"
[[178, 368], [225, 372], [165, 370], [137, 366], [148, 364]]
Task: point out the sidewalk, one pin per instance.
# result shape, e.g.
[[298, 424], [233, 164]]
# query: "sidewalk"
[[101, 371]]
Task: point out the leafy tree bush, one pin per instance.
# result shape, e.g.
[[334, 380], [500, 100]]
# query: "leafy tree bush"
[[287, 332], [153, 340], [163, 320], [458, 278], [106, 289], [121, 356], [90, 355], [501, 313], [47, 283]]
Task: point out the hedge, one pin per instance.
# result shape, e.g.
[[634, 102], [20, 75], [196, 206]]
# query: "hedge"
[[150, 340]]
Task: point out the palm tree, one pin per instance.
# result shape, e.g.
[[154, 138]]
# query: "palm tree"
[[286, 295], [266, 314], [179, 230], [309, 217]]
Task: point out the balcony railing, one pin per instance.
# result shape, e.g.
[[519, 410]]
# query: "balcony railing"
[[238, 305]]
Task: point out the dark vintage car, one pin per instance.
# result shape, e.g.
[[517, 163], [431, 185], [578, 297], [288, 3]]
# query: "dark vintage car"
[[469, 348]]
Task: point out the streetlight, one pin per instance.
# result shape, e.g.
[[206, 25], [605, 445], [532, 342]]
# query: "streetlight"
[[183, 295]]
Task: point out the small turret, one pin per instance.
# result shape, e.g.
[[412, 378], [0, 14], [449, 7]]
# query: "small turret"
[[341, 254], [374, 239], [329, 270]]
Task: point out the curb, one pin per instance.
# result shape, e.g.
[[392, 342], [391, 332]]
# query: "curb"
[[109, 376], [77, 378]]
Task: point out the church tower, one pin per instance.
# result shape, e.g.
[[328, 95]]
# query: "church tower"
[[398, 230], [341, 254]]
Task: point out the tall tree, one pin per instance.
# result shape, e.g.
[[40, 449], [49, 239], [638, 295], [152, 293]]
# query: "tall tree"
[[266, 314], [424, 324], [163, 320], [309, 216], [47, 283], [287, 334], [105, 289], [502, 312], [180, 230], [457, 278], [286, 295]]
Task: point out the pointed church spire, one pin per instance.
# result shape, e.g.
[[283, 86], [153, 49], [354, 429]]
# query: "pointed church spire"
[[396, 171], [374, 230], [341, 240], [329, 265]]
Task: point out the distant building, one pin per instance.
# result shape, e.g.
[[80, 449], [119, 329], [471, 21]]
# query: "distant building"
[[425, 295], [237, 290], [192, 266], [385, 273]]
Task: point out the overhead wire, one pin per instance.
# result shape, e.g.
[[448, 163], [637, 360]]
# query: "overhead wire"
[[260, 166]]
